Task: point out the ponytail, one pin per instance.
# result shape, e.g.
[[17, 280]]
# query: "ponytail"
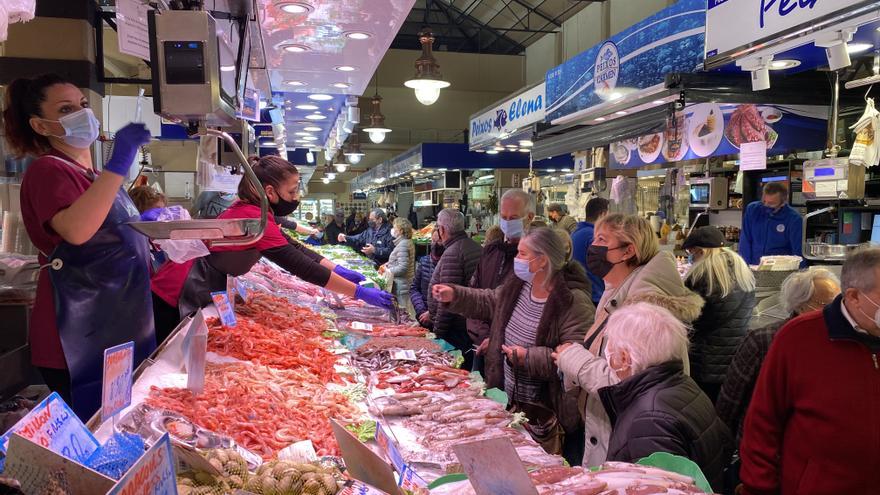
[[23, 100], [272, 170]]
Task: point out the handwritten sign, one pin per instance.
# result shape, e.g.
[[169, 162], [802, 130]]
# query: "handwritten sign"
[[116, 390], [303, 451], [152, 474], [53, 425], [410, 480], [390, 448], [35, 467], [227, 314], [493, 466]]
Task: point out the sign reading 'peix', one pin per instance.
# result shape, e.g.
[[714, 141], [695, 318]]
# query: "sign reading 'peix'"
[[733, 24], [508, 117]]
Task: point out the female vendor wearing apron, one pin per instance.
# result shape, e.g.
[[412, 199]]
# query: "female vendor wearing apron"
[[94, 289], [180, 289]]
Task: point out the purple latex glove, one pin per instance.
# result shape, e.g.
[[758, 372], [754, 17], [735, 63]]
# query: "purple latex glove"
[[350, 275], [374, 297], [125, 146], [151, 215]]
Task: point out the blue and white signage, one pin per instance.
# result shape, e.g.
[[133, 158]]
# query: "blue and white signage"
[[513, 115], [632, 60], [712, 129], [732, 24]]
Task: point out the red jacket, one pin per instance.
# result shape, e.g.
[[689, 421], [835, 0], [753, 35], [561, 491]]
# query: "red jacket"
[[813, 427]]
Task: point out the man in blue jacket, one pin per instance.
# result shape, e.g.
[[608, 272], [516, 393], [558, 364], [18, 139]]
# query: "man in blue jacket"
[[375, 242], [583, 237], [771, 227]]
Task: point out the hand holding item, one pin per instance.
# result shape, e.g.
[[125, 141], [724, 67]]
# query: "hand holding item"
[[483, 347], [515, 354], [125, 147], [340, 238], [382, 269], [350, 275], [425, 318], [443, 293], [369, 250], [374, 297]]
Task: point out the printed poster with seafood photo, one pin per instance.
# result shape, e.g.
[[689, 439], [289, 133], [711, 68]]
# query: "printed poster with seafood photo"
[[712, 129]]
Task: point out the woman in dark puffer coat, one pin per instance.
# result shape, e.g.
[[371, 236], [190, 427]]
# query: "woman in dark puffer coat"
[[652, 405], [727, 284]]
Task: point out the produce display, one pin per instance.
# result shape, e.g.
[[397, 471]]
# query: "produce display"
[[423, 235]]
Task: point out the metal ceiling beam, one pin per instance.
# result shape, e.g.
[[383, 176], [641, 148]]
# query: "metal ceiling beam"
[[560, 16], [449, 21], [483, 26], [539, 13]]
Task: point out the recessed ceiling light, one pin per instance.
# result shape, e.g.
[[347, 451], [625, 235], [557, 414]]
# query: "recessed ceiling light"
[[492, 152], [498, 148], [524, 150], [526, 143], [600, 119], [308, 138], [566, 170], [551, 170], [615, 96], [320, 97], [296, 48], [227, 68], [658, 102], [512, 146], [358, 35], [294, 83], [301, 134], [784, 64], [306, 106], [312, 128], [315, 116], [622, 112], [858, 47], [341, 85], [295, 7], [345, 68]]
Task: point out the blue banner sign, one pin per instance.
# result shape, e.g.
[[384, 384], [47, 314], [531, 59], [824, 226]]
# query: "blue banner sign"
[[632, 60], [712, 129]]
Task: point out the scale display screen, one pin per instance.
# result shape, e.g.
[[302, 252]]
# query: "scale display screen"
[[184, 62], [699, 194]]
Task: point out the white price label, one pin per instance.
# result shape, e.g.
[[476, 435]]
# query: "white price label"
[[404, 355], [366, 327]]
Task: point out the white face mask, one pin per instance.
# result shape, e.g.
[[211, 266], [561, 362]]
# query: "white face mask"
[[395, 233], [876, 317], [616, 371]]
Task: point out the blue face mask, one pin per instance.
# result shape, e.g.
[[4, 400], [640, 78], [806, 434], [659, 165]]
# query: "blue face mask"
[[81, 128], [513, 229], [691, 258], [521, 269]]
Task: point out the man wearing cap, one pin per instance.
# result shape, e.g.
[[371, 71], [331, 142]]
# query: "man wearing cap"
[[335, 226], [556, 213], [771, 227]]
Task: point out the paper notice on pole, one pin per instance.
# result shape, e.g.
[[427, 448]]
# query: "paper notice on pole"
[[131, 21], [753, 156], [493, 467]]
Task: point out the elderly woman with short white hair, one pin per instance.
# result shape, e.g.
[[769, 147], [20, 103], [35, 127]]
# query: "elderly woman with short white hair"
[[652, 405], [802, 292]]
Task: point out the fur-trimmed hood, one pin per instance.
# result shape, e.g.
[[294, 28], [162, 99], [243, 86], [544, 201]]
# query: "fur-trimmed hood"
[[658, 282]]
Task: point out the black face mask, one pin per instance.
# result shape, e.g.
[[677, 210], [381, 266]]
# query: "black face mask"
[[283, 207], [597, 260], [373, 224], [437, 250]]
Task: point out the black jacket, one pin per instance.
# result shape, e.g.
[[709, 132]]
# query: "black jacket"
[[718, 332], [331, 233], [380, 239], [421, 284], [663, 410], [456, 266]]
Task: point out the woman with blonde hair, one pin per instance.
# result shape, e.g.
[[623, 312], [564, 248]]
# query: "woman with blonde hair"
[[401, 262], [626, 255], [727, 284]]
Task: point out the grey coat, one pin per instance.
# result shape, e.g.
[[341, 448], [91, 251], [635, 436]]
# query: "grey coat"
[[401, 261]]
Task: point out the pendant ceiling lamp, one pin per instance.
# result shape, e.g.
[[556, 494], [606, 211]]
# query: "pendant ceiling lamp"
[[353, 150], [428, 81], [339, 161], [376, 129]]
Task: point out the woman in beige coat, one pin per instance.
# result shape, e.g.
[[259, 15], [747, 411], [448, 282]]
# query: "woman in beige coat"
[[626, 254]]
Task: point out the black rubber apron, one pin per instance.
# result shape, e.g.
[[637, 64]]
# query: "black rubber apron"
[[102, 299]]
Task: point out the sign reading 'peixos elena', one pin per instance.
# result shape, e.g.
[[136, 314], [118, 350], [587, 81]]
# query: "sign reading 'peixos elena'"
[[507, 117]]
